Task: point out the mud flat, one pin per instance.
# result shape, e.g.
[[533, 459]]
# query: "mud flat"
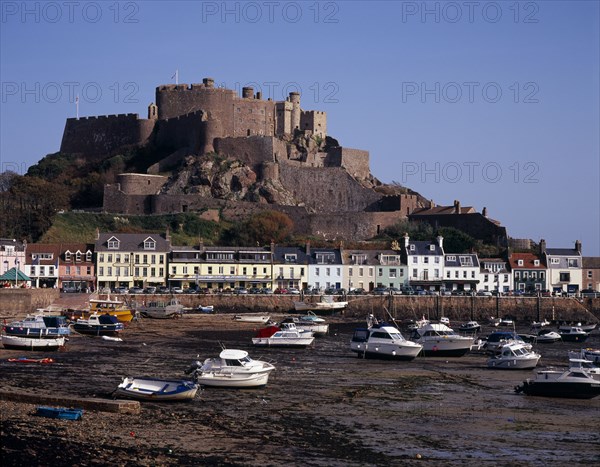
[[323, 406]]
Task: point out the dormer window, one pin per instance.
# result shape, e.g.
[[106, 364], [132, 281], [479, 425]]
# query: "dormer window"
[[113, 243], [412, 248], [149, 244], [88, 256], [519, 262], [78, 256], [67, 256], [536, 262], [290, 258], [431, 247]]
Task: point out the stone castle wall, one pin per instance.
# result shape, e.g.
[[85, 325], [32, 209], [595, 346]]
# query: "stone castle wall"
[[327, 189], [355, 161], [253, 151], [104, 134]]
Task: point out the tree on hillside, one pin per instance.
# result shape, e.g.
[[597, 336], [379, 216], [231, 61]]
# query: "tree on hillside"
[[456, 241], [260, 229]]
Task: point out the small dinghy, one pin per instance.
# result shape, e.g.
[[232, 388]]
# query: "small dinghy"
[[30, 360], [153, 389]]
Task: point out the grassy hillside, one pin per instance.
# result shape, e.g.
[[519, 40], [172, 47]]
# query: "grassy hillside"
[[186, 229]]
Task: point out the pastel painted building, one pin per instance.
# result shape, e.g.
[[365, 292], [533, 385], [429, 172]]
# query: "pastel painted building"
[[324, 268], [425, 263], [461, 272], [126, 259], [565, 274], [495, 274], [290, 267], [359, 269], [529, 272]]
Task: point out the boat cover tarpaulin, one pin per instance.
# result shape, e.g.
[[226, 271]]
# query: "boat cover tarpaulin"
[[267, 332]]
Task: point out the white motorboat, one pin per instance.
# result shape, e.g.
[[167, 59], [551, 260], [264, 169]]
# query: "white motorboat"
[[232, 369], [318, 328], [153, 389], [32, 343], [584, 327], [39, 325], [439, 340], [506, 322], [498, 339], [285, 335], [162, 310], [574, 383], [263, 319], [418, 324], [326, 304], [590, 355], [514, 357], [539, 324], [546, 336], [383, 341]]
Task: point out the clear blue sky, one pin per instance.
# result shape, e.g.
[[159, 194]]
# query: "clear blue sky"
[[492, 103]]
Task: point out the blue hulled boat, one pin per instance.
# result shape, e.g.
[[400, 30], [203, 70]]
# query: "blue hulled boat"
[[38, 326]]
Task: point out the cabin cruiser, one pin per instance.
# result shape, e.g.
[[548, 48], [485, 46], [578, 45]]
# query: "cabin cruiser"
[[573, 334], [232, 369], [439, 340], [496, 340], [161, 310], [547, 336], [316, 325], [38, 325], [470, 327], [514, 356], [382, 340], [575, 383], [284, 335]]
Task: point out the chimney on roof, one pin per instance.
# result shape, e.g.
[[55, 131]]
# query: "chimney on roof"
[[440, 241], [308, 248], [201, 245], [484, 212], [273, 247], [168, 234], [542, 247], [431, 204], [456, 206], [406, 240], [578, 246], [97, 233]]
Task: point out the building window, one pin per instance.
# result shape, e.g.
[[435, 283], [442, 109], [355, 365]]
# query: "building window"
[[145, 272], [392, 273], [565, 277], [101, 271], [447, 274], [301, 271], [360, 272], [437, 260], [137, 272], [371, 272], [316, 271], [436, 273], [472, 274], [380, 272], [109, 271], [101, 258], [149, 244], [517, 275], [451, 258], [109, 258], [414, 273], [210, 270], [221, 270], [456, 274], [573, 263], [232, 270], [536, 262], [153, 272], [415, 260], [554, 260], [327, 272], [113, 244], [426, 259], [589, 276], [174, 270], [519, 262], [68, 270]]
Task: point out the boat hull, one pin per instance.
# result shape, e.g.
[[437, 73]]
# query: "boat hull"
[[150, 389], [385, 351], [25, 343], [560, 389], [573, 337], [445, 347], [513, 363], [252, 319], [36, 333], [97, 330], [223, 380], [297, 342]]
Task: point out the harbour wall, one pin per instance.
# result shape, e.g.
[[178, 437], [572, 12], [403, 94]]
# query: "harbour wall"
[[17, 302]]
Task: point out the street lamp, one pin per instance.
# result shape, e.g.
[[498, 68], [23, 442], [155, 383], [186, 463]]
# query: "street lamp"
[[17, 264]]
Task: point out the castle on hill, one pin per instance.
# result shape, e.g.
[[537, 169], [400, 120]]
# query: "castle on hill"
[[231, 156]]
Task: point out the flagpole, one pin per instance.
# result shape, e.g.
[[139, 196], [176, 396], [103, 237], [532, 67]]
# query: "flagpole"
[[176, 76], [77, 105]]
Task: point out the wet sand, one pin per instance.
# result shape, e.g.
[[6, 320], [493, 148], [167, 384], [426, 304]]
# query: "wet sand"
[[323, 406]]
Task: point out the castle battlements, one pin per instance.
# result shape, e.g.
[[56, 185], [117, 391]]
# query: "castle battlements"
[[129, 116]]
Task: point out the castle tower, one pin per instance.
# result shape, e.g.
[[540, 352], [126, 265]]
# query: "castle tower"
[[248, 92], [152, 111], [296, 112], [208, 82]]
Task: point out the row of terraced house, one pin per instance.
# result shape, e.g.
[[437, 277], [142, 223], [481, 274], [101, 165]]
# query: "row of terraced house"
[[127, 260]]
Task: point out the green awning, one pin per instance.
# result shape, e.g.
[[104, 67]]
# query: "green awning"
[[14, 274]]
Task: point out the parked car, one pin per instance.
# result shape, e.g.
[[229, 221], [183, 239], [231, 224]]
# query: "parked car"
[[176, 290], [359, 291], [266, 291], [280, 290], [240, 291], [484, 293], [408, 290], [150, 289], [380, 291], [330, 291], [395, 291], [136, 290], [293, 291]]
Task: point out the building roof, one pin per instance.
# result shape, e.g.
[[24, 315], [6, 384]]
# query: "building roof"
[[562, 252], [423, 248], [528, 261], [456, 261], [334, 252], [133, 242], [282, 251], [367, 257], [591, 262], [14, 274], [11, 242]]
